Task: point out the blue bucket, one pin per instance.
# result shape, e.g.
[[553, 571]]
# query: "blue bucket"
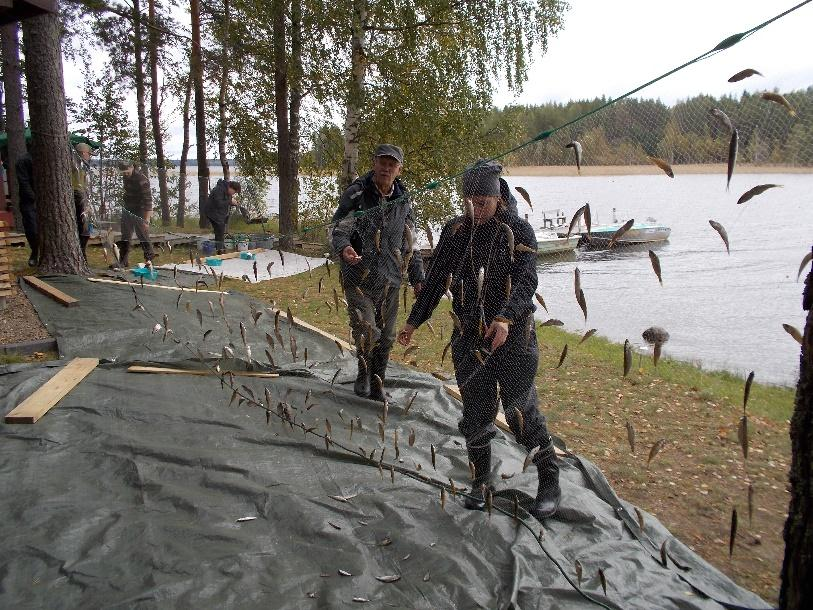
[[207, 247]]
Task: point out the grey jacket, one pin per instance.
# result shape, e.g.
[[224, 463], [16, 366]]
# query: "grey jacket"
[[382, 264]]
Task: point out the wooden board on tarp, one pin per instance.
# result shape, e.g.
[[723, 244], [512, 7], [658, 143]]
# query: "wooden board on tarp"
[[51, 292], [158, 370], [102, 280], [318, 331], [54, 390], [224, 257]]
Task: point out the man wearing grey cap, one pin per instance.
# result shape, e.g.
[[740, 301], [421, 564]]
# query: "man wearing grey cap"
[[375, 250], [494, 348]]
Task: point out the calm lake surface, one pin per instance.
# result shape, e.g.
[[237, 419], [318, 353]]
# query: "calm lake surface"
[[722, 312]]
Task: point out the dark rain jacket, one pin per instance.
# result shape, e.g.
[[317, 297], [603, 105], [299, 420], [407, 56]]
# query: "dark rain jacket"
[[385, 266], [137, 194], [462, 250], [25, 180], [218, 205]]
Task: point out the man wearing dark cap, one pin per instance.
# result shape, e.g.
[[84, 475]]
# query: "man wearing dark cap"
[[375, 250], [494, 348], [218, 208], [135, 213]]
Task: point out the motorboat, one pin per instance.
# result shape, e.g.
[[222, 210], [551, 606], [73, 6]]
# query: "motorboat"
[[548, 243], [638, 233]]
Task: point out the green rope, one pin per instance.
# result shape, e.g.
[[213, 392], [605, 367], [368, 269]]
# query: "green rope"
[[726, 43]]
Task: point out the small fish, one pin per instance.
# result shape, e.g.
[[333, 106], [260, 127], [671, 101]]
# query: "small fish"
[[409, 404], [663, 555], [281, 258], [742, 435], [525, 196], [529, 458], [750, 503], [579, 213], [507, 286], [579, 571], [378, 240], [723, 118], [411, 438], [587, 335], [327, 267], [627, 357], [481, 276], [472, 471], [732, 535], [432, 449], [640, 516], [523, 248], [245, 278], [206, 334], [667, 169], [256, 278], [656, 265], [656, 448], [620, 232], [290, 317], [603, 579], [631, 436], [509, 237], [268, 268], [243, 332], [426, 577], [552, 322], [743, 74], [721, 230], [340, 348], [582, 303], [244, 519], [345, 573], [520, 422], [381, 431], [794, 332], [807, 258], [656, 352], [479, 356], [293, 347], [778, 98], [757, 190], [541, 301], [389, 578], [456, 321], [336, 300], [732, 156], [747, 391], [563, 356], [410, 350], [200, 317], [577, 151]]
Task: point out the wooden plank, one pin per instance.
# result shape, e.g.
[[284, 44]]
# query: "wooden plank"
[[316, 330], [235, 254], [171, 371], [38, 404], [102, 280], [49, 291]]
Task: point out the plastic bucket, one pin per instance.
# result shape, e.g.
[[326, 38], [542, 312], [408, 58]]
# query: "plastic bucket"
[[266, 242], [206, 247], [242, 246]]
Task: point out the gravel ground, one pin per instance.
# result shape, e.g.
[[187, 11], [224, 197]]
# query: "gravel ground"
[[18, 321]]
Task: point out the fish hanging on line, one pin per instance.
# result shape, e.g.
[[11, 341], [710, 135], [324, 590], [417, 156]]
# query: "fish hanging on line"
[[778, 98], [620, 232], [807, 258], [579, 214], [627, 357], [525, 196], [667, 169], [656, 265], [732, 156], [723, 118], [587, 335], [757, 190]]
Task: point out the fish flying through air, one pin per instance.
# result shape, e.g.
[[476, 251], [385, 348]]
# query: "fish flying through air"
[[577, 151], [757, 190], [743, 74], [563, 356], [667, 169], [723, 235]]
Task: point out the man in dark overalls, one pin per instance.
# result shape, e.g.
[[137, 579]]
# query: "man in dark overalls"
[[375, 250], [218, 208], [493, 345], [136, 212]]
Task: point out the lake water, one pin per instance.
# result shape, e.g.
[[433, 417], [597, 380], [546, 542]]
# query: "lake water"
[[723, 312]]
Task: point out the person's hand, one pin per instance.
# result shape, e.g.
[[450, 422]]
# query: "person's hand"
[[350, 257], [405, 335], [417, 289], [500, 332], [147, 217]]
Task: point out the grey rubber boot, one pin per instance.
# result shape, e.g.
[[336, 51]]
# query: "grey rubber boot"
[[549, 494]]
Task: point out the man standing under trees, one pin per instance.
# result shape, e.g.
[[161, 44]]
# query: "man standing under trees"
[[135, 213], [218, 208], [375, 248]]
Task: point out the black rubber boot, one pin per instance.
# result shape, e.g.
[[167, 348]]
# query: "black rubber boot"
[[481, 458], [124, 254], [549, 493], [361, 387]]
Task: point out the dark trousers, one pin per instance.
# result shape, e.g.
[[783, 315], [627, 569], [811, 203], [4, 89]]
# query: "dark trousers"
[[220, 234], [372, 320], [82, 221], [512, 367], [129, 223], [29, 214]]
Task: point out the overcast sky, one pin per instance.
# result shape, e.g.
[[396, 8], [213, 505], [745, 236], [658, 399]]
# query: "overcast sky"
[[608, 47]]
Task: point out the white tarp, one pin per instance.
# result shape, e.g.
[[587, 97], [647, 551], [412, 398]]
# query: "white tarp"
[[238, 267]]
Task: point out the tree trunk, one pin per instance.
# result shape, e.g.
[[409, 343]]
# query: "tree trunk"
[[139, 83], [296, 105], [222, 99], [15, 122], [196, 67], [286, 226], [102, 178], [796, 592], [184, 153], [355, 98], [56, 216], [155, 117]]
